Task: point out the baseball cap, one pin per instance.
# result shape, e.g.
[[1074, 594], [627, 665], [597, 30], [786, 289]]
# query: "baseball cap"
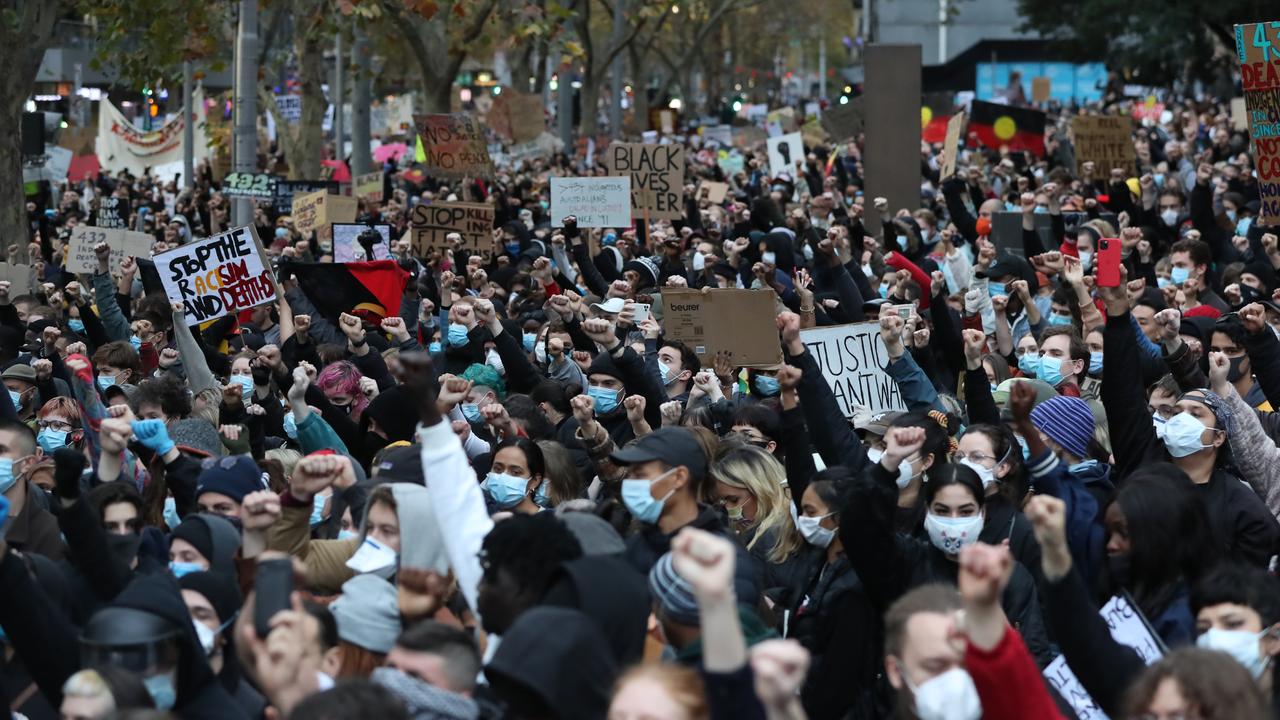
[[672, 445], [613, 306]]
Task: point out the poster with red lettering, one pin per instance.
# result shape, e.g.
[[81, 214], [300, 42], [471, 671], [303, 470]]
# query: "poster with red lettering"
[[1258, 48], [218, 276]]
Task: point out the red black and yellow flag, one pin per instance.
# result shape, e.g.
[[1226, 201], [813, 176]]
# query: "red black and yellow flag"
[[996, 126], [370, 290]]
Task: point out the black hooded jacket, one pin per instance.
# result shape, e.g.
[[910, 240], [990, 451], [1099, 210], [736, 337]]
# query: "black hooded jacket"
[[554, 662], [612, 593]]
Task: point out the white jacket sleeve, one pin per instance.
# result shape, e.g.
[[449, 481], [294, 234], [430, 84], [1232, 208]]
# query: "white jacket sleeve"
[[457, 503], [473, 445]]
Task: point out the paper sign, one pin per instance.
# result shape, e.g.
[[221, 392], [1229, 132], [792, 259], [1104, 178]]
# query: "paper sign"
[[290, 107], [518, 117], [715, 191], [368, 186], [852, 359], [1106, 140], [123, 243], [666, 122], [430, 224], [596, 201], [1239, 115], [454, 146], [722, 134], [951, 145], [21, 278], [257, 186], [217, 276], [111, 212], [844, 121], [740, 322], [1258, 48], [784, 151], [657, 177], [287, 189], [1128, 628], [1041, 89], [318, 209], [784, 118], [347, 247]]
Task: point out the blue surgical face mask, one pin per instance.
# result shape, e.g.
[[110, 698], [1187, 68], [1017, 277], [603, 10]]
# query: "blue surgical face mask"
[[135, 341], [171, 513], [6, 475], [1231, 215], [513, 247], [884, 290], [1163, 282], [767, 385], [282, 232], [996, 288], [1050, 370], [435, 347], [1011, 207], [1095, 362], [1159, 178], [16, 398], [1029, 363], [506, 490], [902, 242], [184, 568], [317, 509], [1041, 210], [769, 258], [290, 425], [529, 340], [610, 238], [76, 325], [246, 385], [347, 534], [160, 688], [50, 439], [606, 399], [471, 412], [1059, 319], [641, 503], [1082, 466], [1242, 227], [106, 381], [1179, 275], [457, 334], [540, 495]]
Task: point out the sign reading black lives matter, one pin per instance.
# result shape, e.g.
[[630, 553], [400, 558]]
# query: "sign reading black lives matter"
[[217, 276], [657, 177]]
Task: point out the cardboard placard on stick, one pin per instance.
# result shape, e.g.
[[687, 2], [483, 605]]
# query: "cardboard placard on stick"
[[1107, 140], [454, 146], [657, 177], [951, 144], [784, 151], [852, 359], [218, 276], [1258, 48], [595, 201], [21, 278], [431, 224], [287, 189], [368, 186], [123, 243], [739, 322], [319, 209], [517, 117], [1041, 89], [845, 121], [716, 191]]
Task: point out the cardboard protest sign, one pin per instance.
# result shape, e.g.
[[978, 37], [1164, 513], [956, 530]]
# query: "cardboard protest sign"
[[1041, 89], [287, 189], [596, 201], [368, 187], [123, 244], [784, 151], [111, 212], [1239, 114], [716, 191], [347, 247], [722, 134], [319, 209], [844, 121], [430, 225], [657, 177], [1127, 627], [951, 146], [739, 322], [217, 276], [1105, 140], [518, 117], [813, 133], [21, 278], [454, 146], [1258, 48], [784, 119], [256, 186], [852, 359]]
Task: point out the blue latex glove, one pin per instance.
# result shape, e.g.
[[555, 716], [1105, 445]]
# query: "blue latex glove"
[[153, 434]]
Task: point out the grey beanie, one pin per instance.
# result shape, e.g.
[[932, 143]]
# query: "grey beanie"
[[368, 613], [673, 592]]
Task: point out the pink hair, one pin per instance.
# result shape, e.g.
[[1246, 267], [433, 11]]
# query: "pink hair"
[[343, 378]]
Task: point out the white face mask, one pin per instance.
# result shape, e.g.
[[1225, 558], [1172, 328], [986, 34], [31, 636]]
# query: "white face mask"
[[1239, 644], [699, 261], [493, 360], [205, 635], [949, 696], [988, 474], [540, 352], [374, 557], [1182, 435], [951, 535], [811, 528]]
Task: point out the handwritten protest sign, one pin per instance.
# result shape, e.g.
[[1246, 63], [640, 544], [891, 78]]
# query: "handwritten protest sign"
[[217, 276], [347, 247], [432, 223], [739, 322], [111, 212], [852, 359], [784, 151], [123, 244], [845, 121], [256, 186], [951, 144], [454, 146], [518, 117], [290, 107], [715, 191], [368, 187], [1258, 48], [287, 189], [1106, 140], [657, 177], [1041, 89], [318, 209], [1128, 628], [1239, 114], [596, 201]]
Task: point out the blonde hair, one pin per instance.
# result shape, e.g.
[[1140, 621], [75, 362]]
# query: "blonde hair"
[[683, 684], [752, 469], [89, 684]]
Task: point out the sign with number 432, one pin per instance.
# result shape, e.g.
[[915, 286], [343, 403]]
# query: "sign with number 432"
[[260, 186]]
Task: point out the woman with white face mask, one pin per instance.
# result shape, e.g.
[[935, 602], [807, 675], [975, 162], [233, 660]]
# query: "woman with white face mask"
[[890, 563], [993, 453], [1238, 612]]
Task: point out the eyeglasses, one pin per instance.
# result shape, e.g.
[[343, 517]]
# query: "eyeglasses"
[[55, 425], [975, 457]]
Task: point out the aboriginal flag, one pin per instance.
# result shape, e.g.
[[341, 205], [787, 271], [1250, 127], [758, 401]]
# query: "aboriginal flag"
[[992, 125], [370, 290]]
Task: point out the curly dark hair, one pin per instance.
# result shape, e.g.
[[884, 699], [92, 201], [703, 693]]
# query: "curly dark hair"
[[530, 548], [168, 393]]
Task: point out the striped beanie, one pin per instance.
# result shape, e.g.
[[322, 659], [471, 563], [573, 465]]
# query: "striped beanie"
[[1067, 421], [673, 593]]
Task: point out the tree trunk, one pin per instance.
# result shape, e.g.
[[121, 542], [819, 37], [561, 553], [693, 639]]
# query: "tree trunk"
[[22, 46], [304, 163], [437, 96], [589, 104]]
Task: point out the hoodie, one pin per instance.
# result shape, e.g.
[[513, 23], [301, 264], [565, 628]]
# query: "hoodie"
[[528, 669], [200, 695], [610, 592]]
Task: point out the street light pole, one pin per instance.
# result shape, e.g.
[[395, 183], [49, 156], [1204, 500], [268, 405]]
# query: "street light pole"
[[188, 132], [246, 105]]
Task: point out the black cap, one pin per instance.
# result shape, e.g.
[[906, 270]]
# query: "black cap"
[[672, 445]]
